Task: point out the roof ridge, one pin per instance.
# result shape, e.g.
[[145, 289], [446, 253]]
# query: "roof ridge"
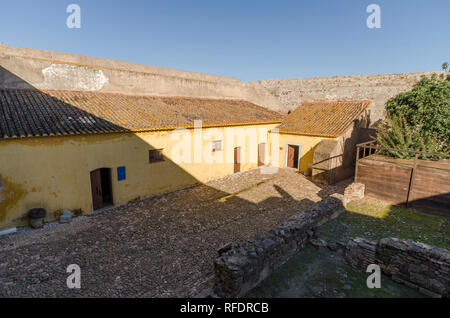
[[45, 90], [117, 93]]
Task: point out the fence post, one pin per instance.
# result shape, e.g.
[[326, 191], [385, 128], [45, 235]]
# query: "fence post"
[[411, 181], [356, 163]]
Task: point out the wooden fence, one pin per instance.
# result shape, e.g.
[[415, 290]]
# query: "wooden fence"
[[424, 184]]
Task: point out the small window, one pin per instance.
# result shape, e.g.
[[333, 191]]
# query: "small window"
[[217, 146], [156, 156]]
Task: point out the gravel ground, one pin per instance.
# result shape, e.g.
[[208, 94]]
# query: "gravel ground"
[[159, 247]]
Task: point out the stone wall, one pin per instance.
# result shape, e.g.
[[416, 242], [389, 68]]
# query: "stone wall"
[[377, 88], [248, 263], [422, 267], [30, 68]]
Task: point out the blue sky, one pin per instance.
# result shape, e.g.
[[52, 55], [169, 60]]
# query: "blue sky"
[[248, 39]]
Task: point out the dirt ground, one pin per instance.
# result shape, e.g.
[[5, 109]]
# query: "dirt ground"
[[159, 247]]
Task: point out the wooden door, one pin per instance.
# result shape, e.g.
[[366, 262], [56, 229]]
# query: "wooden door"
[[291, 156], [261, 154], [96, 185], [237, 159]]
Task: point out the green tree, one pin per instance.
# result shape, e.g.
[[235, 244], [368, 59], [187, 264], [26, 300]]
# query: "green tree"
[[426, 111], [445, 66]]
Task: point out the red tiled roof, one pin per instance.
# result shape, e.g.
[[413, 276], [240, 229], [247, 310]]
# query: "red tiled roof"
[[32, 112], [327, 119]]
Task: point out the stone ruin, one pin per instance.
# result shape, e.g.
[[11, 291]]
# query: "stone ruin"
[[419, 266]]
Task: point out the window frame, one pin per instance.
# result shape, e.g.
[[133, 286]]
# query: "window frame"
[[158, 151], [214, 143]]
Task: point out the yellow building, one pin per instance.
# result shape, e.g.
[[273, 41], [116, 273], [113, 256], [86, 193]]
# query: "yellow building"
[[83, 151], [319, 138]]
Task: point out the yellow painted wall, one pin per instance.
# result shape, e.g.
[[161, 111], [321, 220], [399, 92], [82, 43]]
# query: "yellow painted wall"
[[278, 148], [54, 172]]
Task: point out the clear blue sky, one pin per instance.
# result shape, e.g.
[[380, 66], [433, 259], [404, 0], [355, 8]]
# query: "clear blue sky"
[[248, 39]]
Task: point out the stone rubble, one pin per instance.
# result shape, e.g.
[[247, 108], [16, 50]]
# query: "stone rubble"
[[354, 192]]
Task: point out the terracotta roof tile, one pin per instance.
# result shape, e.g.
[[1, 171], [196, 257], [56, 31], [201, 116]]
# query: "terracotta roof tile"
[[32, 112], [328, 119]]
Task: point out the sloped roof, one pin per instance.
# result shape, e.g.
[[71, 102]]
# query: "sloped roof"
[[32, 112], [326, 119]]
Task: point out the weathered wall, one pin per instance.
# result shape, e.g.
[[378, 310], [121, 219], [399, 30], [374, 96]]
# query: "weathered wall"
[[27, 68], [422, 267], [54, 172], [377, 88], [342, 153], [250, 262]]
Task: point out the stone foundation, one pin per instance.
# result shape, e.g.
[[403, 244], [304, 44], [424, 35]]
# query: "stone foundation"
[[353, 192], [422, 267], [250, 262]]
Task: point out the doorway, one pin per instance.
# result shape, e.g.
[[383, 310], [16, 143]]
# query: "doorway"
[[261, 154], [293, 156], [101, 188], [237, 159]]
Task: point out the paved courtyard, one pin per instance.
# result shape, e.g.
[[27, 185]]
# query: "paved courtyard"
[[159, 247]]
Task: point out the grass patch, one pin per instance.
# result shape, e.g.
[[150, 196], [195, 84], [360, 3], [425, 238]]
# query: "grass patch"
[[321, 273], [375, 219]]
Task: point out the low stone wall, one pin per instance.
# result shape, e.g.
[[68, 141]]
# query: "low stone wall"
[[422, 267], [360, 253], [248, 263]]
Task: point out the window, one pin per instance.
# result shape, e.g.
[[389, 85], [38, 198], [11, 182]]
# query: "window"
[[217, 145], [155, 156]]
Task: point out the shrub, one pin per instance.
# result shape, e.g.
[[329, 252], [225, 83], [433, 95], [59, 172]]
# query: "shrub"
[[419, 119], [396, 133]]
